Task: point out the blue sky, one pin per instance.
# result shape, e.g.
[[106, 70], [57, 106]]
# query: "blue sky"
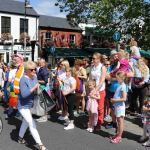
[[46, 7]]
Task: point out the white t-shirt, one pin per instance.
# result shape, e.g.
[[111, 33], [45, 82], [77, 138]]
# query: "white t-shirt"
[[68, 83], [96, 72], [136, 51], [61, 74], [1, 77], [12, 75]]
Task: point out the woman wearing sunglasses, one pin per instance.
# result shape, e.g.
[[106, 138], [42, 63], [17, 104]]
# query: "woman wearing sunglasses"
[[28, 87], [98, 73]]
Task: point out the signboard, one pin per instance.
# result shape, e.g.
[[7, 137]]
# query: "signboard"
[[116, 36]]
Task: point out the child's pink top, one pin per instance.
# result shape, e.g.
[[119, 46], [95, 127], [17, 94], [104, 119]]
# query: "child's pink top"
[[124, 65], [92, 104]]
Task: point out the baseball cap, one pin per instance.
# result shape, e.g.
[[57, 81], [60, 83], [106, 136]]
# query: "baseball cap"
[[113, 52]]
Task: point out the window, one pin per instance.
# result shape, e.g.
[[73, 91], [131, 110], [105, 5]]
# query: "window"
[[23, 25], [72, 39], [5, 24], [48, 35]]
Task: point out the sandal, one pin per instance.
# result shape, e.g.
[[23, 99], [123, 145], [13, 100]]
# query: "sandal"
[[113, 137], [42, 147], [116, 140]]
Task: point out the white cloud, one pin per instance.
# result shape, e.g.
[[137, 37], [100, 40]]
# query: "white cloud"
[[47, 7]]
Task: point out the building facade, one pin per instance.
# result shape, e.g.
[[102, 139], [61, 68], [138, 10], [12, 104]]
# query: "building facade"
[[58, 32], [18, 30]]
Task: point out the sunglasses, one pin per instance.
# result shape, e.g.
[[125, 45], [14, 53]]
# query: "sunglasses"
[[33, 70], [107, 64]]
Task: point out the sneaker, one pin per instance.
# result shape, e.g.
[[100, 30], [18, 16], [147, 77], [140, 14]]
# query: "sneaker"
[[21, 140], [108, 118], [89, 130], [111, 125], [69, 127], [62, 118], [146, 144], [42, 119], [59, 112], [42, 147], [116, 140], [76, 114], [143, 139], [67, 123]]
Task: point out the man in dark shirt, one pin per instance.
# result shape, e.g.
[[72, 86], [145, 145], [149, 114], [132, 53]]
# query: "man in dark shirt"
[[43, 76], [43, 73]]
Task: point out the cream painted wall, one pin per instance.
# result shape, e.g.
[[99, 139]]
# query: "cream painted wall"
[[33, 24]]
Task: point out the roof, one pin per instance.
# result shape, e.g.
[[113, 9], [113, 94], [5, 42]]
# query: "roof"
[[16, 7], [56, 22]]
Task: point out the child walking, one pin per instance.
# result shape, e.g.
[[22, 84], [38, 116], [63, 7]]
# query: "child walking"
[[118, 102], [92, 105], [146, 122]]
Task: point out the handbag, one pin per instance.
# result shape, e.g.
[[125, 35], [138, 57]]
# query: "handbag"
[[42, 103], [49, 102], [39, 106]]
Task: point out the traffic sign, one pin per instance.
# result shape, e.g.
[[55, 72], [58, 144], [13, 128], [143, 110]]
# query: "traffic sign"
[[52, 49], [116, 36]]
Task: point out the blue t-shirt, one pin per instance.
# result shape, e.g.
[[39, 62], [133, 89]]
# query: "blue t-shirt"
[[113, 84], [25, 96], [118, 94]]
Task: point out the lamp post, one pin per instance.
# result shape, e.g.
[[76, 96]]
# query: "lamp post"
[[26, 5]]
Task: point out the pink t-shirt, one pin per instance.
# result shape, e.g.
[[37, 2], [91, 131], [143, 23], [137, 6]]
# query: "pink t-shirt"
[[124, 65]]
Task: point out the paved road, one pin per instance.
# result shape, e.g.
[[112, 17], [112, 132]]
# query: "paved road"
[[55, 138]]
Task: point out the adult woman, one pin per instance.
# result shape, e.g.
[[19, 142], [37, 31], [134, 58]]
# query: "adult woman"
[[28, 87], [79, 73], [98, 73], [69, 93], [139, 87]]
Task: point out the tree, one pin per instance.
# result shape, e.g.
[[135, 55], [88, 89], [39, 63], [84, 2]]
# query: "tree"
[[128, 16]]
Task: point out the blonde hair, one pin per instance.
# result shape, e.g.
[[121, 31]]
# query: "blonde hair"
[[133, 42], [29, 65], [123, 54], [65, 63], [92, 81], [121, 75], [98, 55], [142, 67]]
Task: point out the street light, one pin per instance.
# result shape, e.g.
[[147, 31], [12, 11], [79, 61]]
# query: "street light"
[[26, 5]]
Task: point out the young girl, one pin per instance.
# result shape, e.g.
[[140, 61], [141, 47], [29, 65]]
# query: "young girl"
[[146, 122], [92, 105], [122, 64], [118, 102]]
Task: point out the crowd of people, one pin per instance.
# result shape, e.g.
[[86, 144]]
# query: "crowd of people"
[[104, 89]]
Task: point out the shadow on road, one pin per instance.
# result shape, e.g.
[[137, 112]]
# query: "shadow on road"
[[131, 136], [14, 133]]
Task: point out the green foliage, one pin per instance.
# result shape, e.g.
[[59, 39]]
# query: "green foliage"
[[128, 16]]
